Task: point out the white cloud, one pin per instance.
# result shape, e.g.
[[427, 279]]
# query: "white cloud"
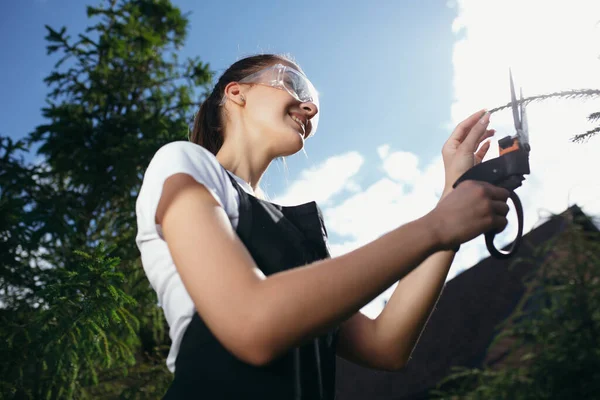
[[383, 150], [323, 181], [402, 166], [387, 203]]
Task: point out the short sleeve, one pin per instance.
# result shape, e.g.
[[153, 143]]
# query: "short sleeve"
[[174, 158]]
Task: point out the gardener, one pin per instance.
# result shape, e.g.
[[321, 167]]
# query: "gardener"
[[257, 308]]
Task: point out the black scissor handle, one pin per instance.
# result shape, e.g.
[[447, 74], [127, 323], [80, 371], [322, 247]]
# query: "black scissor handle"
[[507, 172], [489, 237]]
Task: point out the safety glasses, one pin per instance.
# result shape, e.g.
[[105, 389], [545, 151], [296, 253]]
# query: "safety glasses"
[[286, 78]]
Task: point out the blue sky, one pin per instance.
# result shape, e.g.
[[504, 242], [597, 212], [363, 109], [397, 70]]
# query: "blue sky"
[[395, 77], [375, 66]]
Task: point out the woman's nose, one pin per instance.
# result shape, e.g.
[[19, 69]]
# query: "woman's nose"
[[310, 109]]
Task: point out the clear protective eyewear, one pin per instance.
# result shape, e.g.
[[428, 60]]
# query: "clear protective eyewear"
[[286, 78]]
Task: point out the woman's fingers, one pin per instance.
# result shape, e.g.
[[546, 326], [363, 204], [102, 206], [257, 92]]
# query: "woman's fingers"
[[501, 210], [480, 154], [496, 192], [469, 145], [500, 207], [488, 134], [463, 128]]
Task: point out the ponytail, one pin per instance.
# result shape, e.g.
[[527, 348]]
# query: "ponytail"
[[207, 130]]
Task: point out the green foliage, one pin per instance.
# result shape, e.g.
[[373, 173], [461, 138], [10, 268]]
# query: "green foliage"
[[117, 93], [17, 230], [123, 94], [555, 351], [81, 324]]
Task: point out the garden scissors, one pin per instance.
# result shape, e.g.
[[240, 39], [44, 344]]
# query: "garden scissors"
[[507, 170]]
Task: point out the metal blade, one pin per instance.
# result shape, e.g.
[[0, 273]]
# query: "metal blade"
[[515, 107], [524, 124]]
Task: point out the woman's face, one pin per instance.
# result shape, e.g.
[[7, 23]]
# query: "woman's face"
[[279, 122]]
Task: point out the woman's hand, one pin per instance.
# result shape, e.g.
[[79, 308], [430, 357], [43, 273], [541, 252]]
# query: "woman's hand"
[[473, 208], [460, 150]]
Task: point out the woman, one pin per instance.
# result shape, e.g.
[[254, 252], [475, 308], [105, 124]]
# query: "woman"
[[256, 306]]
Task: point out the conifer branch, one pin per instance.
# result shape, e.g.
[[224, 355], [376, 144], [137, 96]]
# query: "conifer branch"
[[568, 94]]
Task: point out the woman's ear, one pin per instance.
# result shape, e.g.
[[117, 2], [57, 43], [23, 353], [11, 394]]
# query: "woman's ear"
[[233, 92]]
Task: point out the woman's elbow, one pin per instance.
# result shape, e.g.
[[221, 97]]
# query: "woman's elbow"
[[253, 343], [256, 355], [393, 363], [397, 365]]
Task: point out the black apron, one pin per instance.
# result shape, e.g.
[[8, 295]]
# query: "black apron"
[[278, 238]]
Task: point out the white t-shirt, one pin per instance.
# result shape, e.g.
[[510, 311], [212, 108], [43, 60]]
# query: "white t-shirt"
[[199, 163]]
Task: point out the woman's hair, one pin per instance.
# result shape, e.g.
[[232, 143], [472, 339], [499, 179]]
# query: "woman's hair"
[[209, 122]]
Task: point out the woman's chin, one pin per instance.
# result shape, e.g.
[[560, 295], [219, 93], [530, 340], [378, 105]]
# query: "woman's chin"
[[285, 143], [292, 145]]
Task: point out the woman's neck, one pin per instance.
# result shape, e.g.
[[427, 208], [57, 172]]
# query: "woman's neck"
[[239, 158]]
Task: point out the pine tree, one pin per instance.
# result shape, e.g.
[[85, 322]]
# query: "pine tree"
[[78, 316]]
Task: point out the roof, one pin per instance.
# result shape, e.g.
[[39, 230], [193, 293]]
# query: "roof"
[[461, 327]]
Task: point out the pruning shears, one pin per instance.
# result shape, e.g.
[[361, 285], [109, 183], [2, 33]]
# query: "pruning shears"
[[507, 170]]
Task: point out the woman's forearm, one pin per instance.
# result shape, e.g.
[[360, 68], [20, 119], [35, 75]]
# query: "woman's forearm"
[[399, 325], [302, 302]]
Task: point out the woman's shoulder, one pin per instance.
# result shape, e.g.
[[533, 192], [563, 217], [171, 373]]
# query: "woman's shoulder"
[[178, 151], [184, 157], [187, 158]]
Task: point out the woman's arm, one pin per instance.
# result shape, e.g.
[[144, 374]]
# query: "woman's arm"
[[387, 342], [259, 318]]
